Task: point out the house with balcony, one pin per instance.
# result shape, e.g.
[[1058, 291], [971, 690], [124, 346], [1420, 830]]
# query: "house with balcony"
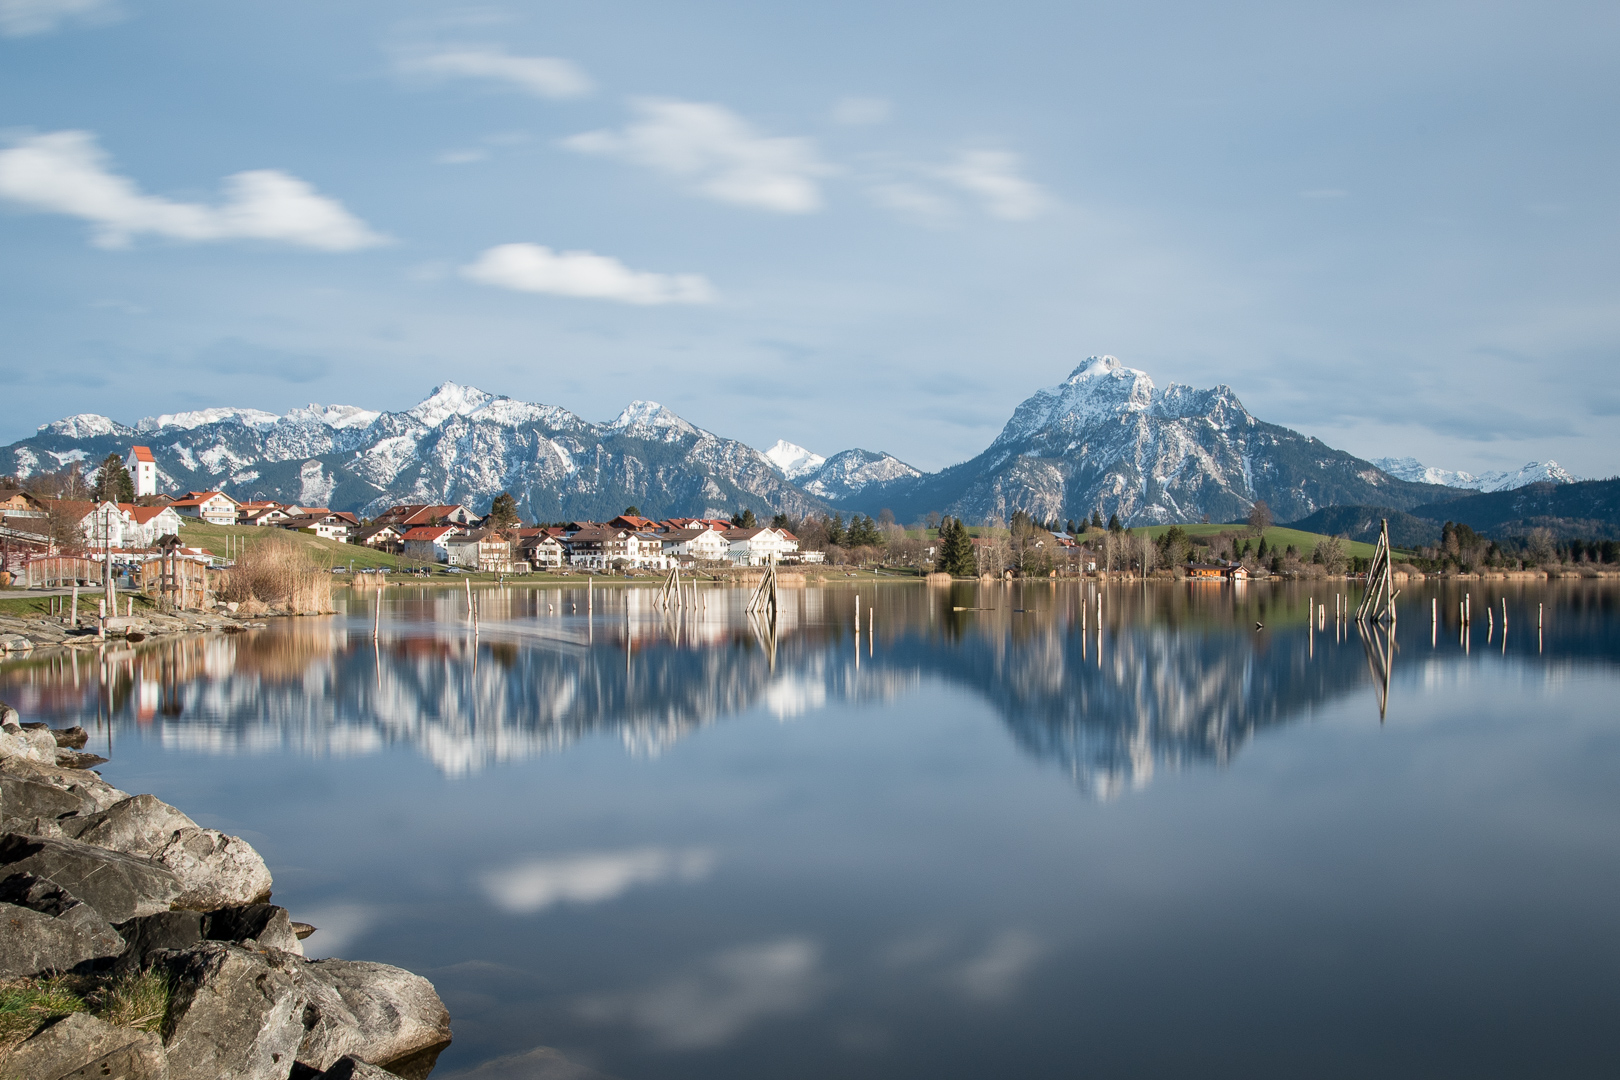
[[214, 507], [486, 551], [429, 543], [599, 547], [757, 547], [692, 547]]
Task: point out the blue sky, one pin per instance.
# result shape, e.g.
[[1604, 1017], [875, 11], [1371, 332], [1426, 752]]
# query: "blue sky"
[[1391, 226]]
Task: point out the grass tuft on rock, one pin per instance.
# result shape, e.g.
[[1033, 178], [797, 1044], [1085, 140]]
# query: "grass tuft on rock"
[[139, 1000], [25, 1004]]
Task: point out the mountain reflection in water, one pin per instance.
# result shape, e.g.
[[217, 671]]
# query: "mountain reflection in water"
[[1178, 674]]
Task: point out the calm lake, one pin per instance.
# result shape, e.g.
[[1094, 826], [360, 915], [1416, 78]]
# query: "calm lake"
[[972, 843]]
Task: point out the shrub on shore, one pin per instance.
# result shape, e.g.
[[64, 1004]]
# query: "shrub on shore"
[[277, 574]]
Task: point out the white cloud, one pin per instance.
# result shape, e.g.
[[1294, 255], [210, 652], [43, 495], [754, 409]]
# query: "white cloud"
[[993, 176], [725, 995], [20, 18], [65, 172], [590, 878], [861, 111], [542, 76], [536, 268], [717, 151]]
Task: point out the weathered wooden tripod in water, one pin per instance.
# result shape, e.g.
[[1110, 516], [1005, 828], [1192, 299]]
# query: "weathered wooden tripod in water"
[[764, 598], [1378, 603]]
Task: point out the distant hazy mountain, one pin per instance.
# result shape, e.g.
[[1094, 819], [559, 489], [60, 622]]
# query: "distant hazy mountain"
[[1536, 472], [458, 445], [1106, 439]]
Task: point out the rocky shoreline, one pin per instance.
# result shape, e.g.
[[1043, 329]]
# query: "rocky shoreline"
[[108, 898], [21, 635]]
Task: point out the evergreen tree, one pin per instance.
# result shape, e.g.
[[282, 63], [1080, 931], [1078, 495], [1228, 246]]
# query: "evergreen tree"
[[749, 521], [113, 483], [631, 511], [863, 532], [779, 521], [1068, 527], [1260, 552], [503, 512], [1113, 524], [1096, 519], [835, 531], [955, 549]]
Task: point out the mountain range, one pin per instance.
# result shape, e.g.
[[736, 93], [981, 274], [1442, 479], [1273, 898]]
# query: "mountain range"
[[1106, 440]]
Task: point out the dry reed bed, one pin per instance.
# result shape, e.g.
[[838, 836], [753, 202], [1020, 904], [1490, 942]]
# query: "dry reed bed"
[[276, 575]]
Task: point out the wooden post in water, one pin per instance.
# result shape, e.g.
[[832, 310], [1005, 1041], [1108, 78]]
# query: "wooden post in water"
[[73, 619], [101, 619], [376, 616]]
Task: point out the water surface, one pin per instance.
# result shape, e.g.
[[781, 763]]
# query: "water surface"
[[975, 842]]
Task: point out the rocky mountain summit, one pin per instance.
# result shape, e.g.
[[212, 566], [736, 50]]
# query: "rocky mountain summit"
[[1108, 440], [143, 946]]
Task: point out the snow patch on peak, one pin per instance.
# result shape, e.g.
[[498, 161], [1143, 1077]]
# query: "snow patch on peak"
[[196, 418], [792, 460], [650, 420], [449, 399], [1096, 367], [85, 426]]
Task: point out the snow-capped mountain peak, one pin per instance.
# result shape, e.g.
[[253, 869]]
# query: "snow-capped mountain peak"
[[650, 420], [793, 461], [449, 399], [1535, 472], [84, 426]]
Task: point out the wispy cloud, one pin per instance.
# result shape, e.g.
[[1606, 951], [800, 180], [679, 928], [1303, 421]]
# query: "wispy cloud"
[[590, 878], [65, 172], [536, 268], [994, 176], [717, 152], [542, 76], [721, 998], [21, 18]]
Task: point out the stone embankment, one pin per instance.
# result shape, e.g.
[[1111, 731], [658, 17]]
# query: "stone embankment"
[[20, 635], [103, 894]]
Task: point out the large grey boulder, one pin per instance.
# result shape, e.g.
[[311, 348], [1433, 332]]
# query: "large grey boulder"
[[383, 1015], [214, 870], [263, 926], [138, 825], [85, 792], [117, 885], [235, 1012], [79, 1045], [43, 928]]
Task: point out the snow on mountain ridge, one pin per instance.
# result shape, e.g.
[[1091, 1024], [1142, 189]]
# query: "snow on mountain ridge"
[[1534, 472], [196, 418], [84, 426], [448, 399], [792, 460]]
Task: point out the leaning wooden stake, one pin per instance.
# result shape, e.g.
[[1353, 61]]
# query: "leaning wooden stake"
[[1378, 602]]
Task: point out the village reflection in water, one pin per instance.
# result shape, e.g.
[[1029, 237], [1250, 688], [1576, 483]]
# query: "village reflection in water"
[[1109, 684]]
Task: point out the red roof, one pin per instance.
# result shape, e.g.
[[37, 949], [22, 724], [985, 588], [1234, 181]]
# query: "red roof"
[[428, 532], [142, 453]]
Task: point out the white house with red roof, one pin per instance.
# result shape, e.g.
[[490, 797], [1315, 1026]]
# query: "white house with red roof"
[[214, 507], [756, 547], [429, 543]]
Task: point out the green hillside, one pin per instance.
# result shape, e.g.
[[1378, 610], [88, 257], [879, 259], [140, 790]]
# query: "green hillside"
[[1277, 537]]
